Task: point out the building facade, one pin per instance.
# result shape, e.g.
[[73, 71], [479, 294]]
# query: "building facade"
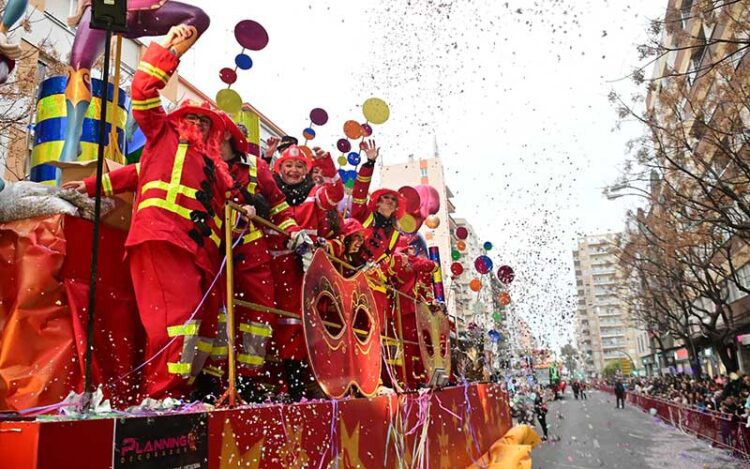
[[604, 330]]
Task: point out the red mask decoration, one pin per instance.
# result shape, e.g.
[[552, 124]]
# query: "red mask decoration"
[[333, 307], [433, 331]]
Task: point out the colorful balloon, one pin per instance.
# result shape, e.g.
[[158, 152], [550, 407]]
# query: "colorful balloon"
[[342, 160], [455, 255], [497, 317], [309, 133], [504, 298], [318, 116], [229, 101], [227, 75], [505, 274], [306, 150], [487, 246], [243, 62], [366, 129], [408, 224], [251, 35], [376, 110], [461, 246], [353, 158], [462, 232], [343, 145], [483, 264], [457, 269], [432, 222], [475, 284], [352, 129]]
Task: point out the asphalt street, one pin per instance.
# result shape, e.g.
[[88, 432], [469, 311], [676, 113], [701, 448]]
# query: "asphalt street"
[[593, 434]]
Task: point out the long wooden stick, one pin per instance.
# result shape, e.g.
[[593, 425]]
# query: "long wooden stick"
[[231, 393]]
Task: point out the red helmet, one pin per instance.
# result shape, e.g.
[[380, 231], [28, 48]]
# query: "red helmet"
[[202, 108], [240, 140], [375, 196], [294, 152], [352, 227]]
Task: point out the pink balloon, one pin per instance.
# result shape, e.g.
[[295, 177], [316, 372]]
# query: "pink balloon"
[[430, 200]]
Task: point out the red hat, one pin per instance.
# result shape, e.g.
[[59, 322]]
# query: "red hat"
[[293, 153], [240, 140], [375, 196], [189, 106], [351, 227]]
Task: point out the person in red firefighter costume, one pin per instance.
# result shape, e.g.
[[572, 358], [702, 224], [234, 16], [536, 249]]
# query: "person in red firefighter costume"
[[379, 215], [347, 247], [412, 276], [310, 204], [252, 264], [173, 243]]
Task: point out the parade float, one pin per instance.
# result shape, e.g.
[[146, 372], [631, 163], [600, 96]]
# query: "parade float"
[[70, 360]]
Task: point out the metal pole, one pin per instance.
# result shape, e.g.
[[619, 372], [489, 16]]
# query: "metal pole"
[[97, 214]]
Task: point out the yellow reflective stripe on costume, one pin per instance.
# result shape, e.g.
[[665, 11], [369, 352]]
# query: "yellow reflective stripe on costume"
[[219, 351], [368, 221], [286, 224], [179, 163], [161, 203], [364, 178], [252, 236], [146, 104], [391, 341], [256, 329], [278, 208], [107, 185], [359, 201], [213, 371], [184, 329], [180, 368], [205, 346], [394, 362], [222, 317], [155, 72], [253, 172], [165, 186], [254, 360]]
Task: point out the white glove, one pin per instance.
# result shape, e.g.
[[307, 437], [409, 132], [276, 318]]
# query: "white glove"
[[300, 243]]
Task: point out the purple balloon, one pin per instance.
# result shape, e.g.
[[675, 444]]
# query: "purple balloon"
[[319, 116], [251, 35], [367, 129], [343, 145]]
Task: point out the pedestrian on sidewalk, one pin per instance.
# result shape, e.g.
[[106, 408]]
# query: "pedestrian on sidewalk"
[[582, 390], [620, 395], [576, 389], [540, 409]]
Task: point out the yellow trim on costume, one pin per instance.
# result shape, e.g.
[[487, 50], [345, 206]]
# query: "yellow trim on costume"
[[254, 235], [213, 371], [146, 104], [180, 368], [107, 185], [219, 351], [253, 360], [364, 178], [256, 329], [165, 186], [183, 329], [253, 172], [155, 72], [278, 208], [359, 201], [205, 346], [286, 224]]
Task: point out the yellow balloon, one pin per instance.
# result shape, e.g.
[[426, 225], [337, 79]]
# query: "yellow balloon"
[[433, 221], [229, 101], [376, 111], [408, 224], [342, 160]]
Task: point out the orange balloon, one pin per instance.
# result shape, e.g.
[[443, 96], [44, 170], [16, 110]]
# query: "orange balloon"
[[461, 245], [433, 221], [475, 284], [504, 299], [352, 129]]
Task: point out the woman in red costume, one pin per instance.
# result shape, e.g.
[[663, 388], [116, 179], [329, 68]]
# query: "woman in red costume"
[[310, 204], [174, 238]]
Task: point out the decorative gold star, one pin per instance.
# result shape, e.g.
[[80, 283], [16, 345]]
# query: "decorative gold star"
[[291, 454], [231, 457], [350, 447], [443, 443]]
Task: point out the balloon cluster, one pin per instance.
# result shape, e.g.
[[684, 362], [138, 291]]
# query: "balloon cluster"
[[375, 111], [251, 36]]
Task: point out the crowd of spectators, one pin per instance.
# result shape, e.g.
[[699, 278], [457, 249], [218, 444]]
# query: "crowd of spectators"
[[726, 394]]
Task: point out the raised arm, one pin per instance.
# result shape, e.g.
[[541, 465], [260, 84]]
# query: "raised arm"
[[333, 189], [362, 183]]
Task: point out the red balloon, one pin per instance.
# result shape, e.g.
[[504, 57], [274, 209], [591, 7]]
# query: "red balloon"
[[462, 232], [505, 274], [457, 269], [483, 264], [228, 75]]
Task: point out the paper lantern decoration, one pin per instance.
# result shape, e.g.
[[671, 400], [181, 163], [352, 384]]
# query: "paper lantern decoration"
[[462, 232], [487, 246], [432, 222], [352, 129], [475, 284], [376, 111], [483, 264], [504, 298], [505, 274], [461, 246], [455, 255], [250, 35], [457, 269]]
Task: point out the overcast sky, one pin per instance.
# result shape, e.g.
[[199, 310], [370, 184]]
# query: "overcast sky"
[[515, 93]]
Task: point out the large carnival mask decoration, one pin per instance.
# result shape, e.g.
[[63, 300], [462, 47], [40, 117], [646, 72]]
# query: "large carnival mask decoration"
[[341, 329], [433, 331]]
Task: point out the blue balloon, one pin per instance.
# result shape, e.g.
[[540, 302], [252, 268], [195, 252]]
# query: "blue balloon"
[[352, 174], [487, 261], [353, 158], [487, 246], [243, 62], [343, 174]]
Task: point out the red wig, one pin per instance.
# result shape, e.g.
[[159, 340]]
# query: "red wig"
[[191, 133]]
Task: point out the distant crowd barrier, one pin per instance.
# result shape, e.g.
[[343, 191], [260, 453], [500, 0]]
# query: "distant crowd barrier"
[[720, 429]]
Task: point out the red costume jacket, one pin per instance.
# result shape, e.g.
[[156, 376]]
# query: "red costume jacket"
[[380, 241], [255, 177], [179, 199]]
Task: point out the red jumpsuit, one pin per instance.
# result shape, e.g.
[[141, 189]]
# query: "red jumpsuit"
[[174, 238], [253, 280], [410, 277], [312, 217]]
